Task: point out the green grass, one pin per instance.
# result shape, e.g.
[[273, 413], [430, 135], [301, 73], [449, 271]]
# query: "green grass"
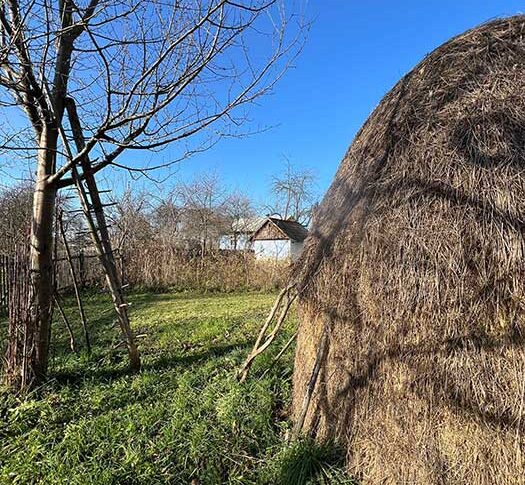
[[183, 417]]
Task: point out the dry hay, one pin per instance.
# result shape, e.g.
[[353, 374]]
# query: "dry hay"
[[417, 258]]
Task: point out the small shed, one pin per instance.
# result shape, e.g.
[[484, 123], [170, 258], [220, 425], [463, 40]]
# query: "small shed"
[[279, 239]]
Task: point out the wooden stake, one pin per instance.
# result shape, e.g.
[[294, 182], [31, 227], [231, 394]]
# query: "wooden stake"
[[321, 353], [280, 354], [72, 343], [75, 283], [259, 347]]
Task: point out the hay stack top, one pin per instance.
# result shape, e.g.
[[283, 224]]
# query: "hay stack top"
[[451, 130]]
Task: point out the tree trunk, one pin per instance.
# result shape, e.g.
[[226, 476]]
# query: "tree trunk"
[[28, 346]]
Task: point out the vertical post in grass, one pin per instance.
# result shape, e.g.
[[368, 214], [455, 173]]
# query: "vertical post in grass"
[[76, 288], [321, 354]]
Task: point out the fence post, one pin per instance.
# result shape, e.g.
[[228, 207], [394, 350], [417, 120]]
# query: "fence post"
[[4, 283], [82, 269]]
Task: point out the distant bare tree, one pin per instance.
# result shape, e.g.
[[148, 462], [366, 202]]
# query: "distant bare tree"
[[86, 80], [239, 212], [194, 214], [202, 204], [294, 193], [166, 219], [131, 220], [15, 216]]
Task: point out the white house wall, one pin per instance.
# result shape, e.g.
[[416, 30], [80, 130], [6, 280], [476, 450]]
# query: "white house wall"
[[241, 242], [277, 249], [296, 248]]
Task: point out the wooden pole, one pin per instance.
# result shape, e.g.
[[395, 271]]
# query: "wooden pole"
[[259, 346], [321, 354], [75, 283], [72, 343], [82, 269], [3, 283], [280, 354]]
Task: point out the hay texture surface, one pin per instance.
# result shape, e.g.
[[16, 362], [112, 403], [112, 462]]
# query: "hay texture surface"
[[417, 258]]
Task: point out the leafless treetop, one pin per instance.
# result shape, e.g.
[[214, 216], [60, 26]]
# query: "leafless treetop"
[[140, 73]]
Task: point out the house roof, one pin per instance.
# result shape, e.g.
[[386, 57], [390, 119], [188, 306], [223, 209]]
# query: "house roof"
[[291, 229], [248, 225]]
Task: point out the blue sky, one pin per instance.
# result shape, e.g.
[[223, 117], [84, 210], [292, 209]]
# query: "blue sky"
[[356, 51]]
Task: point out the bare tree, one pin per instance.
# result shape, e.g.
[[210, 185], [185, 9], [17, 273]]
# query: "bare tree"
[[167, 219], [240, 214], [15, 216], [95, 78], [131, 220], [294, 193], [202, 211], [193, 214]]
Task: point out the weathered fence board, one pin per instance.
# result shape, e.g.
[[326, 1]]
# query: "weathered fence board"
[[87, 267], [4, 284]]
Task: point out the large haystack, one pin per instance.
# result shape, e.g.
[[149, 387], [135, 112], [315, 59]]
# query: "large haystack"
[[417, 260]]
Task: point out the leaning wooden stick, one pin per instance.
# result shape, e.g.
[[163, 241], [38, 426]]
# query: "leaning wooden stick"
[[321, 353], [72, 343], [271, 316], [280, 354], [259, 346], [75, 283]]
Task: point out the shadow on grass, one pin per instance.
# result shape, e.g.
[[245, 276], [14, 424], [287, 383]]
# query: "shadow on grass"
[[167, 361], [163, 362]]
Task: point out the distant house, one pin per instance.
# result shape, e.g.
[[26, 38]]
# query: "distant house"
[[267, 237], [239, 236], [278, 239]]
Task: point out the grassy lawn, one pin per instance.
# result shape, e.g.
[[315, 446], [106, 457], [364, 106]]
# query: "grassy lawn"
[[184, 417]]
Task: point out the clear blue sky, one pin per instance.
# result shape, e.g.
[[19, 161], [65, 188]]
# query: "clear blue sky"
[[355, 53]]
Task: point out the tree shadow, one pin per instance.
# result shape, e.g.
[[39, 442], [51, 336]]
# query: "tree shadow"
[[346, 208], [443, 392], [164, 362]]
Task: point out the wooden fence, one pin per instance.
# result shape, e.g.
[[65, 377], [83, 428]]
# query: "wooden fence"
[[4, 284], [88, 270], [87, 267]]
